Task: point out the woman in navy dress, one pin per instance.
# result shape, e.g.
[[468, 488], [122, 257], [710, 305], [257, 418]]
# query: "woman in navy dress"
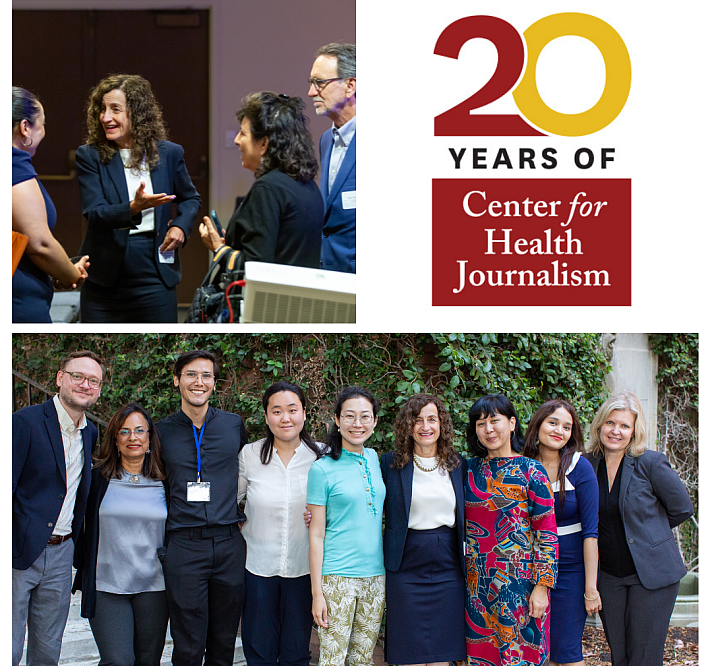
[[423, 539], [34, 215], [555, 439]]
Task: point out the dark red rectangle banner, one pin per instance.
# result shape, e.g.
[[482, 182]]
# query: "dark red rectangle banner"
[[531, 241]]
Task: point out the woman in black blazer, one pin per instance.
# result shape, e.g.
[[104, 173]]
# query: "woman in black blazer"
[[640, 499], [127, 172], [424, 536]]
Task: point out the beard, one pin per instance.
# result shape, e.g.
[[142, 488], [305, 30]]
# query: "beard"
[[77, 401]]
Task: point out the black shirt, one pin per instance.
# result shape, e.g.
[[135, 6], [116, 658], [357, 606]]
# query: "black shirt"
[[279, 222], [613, 552], [223, 437]]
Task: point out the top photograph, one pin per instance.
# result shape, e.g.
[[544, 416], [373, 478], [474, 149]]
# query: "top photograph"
[[191, 165]]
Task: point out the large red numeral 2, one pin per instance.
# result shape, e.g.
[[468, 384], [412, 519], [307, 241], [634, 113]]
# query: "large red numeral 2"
[[458, 121]]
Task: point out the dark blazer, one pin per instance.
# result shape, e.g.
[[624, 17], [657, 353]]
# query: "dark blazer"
[[399, 494], [338, 243], [105, 205], [85, 554], [652, 500], [39, 480]]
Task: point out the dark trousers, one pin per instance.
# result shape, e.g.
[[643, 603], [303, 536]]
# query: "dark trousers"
[[277, 623], [130, 629], [635, 619], [138, 295], [205, 582]]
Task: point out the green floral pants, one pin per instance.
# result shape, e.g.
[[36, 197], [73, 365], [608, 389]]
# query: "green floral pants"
[[355, 608]]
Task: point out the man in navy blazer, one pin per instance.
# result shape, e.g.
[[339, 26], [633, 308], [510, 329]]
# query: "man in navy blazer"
[[51, 474], [332, 86]]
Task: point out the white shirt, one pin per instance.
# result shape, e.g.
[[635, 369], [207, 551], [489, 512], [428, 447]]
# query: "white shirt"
[[133, 181], [342, 137], [433, 501], [276, 496], [74, 463]]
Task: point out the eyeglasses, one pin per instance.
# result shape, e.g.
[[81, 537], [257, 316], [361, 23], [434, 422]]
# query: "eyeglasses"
[[320, 84], [192, 376], [364, 419], [126, 432], [78, 379]]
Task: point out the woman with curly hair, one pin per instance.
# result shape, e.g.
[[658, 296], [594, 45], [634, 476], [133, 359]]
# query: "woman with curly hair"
[[127, 172], [555, 439], [424, 536], [118, 568], [511, 544], [281, 219]]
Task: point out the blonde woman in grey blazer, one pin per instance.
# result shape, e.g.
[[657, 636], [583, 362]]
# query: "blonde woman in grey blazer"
[[641, 499]]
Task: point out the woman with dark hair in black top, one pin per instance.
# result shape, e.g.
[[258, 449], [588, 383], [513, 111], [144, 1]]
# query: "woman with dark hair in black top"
[[281, 219]]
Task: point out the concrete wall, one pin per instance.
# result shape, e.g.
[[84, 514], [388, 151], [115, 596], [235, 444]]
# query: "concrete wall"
[[634, 368], [263, 45]]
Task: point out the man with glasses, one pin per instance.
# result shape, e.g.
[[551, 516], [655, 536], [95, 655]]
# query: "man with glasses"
[[51, 474], [332, 86], [204, 562]]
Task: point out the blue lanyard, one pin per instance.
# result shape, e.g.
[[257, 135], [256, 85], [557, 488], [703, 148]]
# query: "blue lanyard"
[[198, 440]]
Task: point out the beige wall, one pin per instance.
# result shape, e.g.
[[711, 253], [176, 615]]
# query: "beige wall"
[[255, 45]]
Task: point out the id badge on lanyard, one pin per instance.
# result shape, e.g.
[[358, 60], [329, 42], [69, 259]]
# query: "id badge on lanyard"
[[198, 491]]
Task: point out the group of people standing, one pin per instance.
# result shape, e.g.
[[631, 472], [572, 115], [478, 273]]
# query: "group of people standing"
[[131, 177], [492, 560]]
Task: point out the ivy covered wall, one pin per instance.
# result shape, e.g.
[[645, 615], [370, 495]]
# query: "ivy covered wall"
[[529, 368]]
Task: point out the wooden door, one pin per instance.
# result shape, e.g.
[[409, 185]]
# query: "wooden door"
[[62, 55]]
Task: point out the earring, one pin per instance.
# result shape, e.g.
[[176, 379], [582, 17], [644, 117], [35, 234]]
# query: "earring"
[[27, 145], [119, 452], [148, 451]]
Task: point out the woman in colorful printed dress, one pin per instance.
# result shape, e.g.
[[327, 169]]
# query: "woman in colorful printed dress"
[[554, 438], [511, 544], [345, 494]]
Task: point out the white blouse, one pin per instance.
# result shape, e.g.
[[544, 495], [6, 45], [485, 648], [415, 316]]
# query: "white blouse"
[[433, 501], [276, 496], [133, 181]]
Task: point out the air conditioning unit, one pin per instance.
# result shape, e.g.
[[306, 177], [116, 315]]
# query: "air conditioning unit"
[[278, 294]]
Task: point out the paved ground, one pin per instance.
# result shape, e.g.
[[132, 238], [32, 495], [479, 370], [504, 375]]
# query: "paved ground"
[[79, 648]]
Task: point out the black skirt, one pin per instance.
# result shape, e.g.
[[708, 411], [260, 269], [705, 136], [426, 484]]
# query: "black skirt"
[[425, 600]]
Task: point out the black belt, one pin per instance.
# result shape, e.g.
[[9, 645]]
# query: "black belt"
[[206, 532]]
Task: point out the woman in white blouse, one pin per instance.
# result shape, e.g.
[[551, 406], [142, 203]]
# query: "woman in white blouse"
[[423, 539], [276, 627]]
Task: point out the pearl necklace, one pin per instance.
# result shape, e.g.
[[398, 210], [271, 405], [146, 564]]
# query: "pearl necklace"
[[422, 467]]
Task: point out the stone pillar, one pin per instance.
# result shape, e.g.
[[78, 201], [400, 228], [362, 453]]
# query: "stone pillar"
[[634, 368]]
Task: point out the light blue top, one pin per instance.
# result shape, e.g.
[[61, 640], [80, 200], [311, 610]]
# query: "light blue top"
[[353, 492], [132, 522]]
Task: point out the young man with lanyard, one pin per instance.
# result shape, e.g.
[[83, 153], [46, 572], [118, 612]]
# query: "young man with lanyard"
[[204, 563]]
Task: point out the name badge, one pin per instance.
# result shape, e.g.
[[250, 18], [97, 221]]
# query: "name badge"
[[198, 491], [167, 257], [348, 200]]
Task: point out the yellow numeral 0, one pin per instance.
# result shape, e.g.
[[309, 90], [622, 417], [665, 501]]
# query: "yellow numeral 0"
[[618, 75]]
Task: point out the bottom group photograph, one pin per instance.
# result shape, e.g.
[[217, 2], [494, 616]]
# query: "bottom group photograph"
[[484, 499]]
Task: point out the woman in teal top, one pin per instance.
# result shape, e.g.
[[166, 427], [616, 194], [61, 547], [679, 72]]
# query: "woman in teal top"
[[345, 495]]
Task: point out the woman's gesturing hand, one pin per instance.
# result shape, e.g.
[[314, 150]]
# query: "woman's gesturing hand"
[[143, 201], [209, 235]]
